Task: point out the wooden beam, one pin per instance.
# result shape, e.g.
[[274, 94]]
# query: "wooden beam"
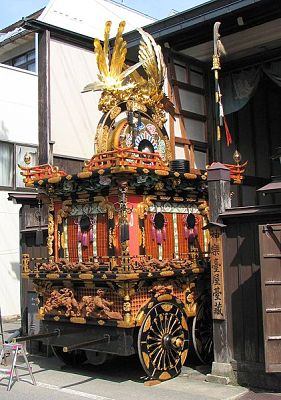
[[44, 121]]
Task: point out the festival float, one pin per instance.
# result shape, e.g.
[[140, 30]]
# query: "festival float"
[[127, 269]]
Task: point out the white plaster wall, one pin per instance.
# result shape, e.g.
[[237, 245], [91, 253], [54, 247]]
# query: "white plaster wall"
[[18, 105], [74, 115], [9, 257]]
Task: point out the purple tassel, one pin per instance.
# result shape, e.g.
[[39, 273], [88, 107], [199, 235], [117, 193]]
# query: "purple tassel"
[[85, 239], [191, 236], [186, 233], [153, 227], [158, 236], [164, 233]]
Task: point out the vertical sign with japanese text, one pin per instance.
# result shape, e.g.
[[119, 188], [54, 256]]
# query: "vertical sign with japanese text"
[[217, 279]]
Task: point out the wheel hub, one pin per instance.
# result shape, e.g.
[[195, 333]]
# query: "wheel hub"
[[167, 342]]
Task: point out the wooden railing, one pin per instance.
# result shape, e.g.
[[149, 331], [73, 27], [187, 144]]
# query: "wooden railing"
[[126, 159]]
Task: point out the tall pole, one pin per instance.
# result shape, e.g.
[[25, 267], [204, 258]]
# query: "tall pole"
[[216, 67], [219, 113]]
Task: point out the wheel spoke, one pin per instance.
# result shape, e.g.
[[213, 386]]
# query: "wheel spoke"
[[174, 331], [171, 329], [160, 359], [169, 323], [160, 330], [156, 357], [156, 333], [161, 321], [153, 344], [155, 350]]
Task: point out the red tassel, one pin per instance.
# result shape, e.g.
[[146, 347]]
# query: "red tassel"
[[227, 132]]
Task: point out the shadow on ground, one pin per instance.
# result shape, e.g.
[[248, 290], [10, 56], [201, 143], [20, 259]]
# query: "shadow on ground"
[[118, 369]]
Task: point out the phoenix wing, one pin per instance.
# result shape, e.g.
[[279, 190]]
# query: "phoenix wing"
[[152, 58]]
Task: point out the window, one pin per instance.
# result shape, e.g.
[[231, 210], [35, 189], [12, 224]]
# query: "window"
[[189, 97], [12, 154], [195, 130], [6, 164], [200, 159], [21, 151], [24, 61]]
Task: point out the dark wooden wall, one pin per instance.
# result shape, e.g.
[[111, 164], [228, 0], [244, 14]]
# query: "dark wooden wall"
[[256, 130], [244, 297], [29, 225], [70, 166]]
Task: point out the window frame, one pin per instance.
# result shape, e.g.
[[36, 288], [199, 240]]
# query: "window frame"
[[25, 64], [14, 166], [190, 65]]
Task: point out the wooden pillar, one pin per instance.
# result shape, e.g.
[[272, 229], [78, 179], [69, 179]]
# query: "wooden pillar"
[[44, 121], [219, 201]]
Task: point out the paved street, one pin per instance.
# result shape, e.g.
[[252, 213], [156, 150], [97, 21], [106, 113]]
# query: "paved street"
[[119, 379]]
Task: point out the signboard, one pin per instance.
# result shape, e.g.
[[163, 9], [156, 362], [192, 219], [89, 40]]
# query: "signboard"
[[217, 280]]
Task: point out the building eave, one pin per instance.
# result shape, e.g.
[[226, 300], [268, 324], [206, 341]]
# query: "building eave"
[[60, 33]]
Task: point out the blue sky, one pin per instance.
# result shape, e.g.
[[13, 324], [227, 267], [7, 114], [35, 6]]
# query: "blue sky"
[[13, 10]]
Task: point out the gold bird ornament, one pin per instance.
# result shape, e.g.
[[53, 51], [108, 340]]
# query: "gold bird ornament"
[[121, 83], [113, 74]]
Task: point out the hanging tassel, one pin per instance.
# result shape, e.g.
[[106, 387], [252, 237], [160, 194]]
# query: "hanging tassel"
[[191, 236], [91, 234], [85, 239], [124, 232], [185, 227], [227, 133], [153, 227], [159, 236], [79, 235], [164, 233]]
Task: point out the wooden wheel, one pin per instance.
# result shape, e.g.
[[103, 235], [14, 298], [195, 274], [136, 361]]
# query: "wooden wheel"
[[202, 332], [74, 358], [96, 357], [163, 340]]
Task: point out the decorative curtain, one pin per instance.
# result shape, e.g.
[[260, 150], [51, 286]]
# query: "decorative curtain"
[[169, 243], [273, 71], [237, 88], [72, 239]]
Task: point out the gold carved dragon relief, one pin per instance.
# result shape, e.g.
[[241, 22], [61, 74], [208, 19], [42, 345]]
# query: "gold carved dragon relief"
[[51, 228]]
